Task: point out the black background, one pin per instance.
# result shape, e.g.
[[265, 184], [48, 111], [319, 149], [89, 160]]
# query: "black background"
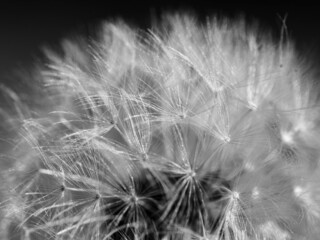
[[26, 27]]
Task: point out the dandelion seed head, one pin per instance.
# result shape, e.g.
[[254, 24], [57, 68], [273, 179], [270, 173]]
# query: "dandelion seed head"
[[187, 131]]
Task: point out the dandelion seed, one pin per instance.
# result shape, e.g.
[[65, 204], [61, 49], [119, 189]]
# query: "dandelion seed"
[[187, 131]]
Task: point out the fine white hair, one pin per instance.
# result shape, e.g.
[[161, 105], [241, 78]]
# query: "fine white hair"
[[189, 130]]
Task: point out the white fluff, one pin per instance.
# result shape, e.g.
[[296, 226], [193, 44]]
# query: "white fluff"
[[187, 131]]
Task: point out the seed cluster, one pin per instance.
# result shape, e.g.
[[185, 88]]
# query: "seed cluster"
[[187, 131]]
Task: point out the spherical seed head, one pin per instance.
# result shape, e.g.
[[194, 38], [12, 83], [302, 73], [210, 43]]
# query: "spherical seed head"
[[171, 134]]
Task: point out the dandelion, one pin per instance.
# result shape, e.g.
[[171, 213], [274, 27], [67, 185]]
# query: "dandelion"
[[193, 131]]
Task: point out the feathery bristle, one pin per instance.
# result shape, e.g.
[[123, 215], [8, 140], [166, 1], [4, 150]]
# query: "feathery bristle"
[[188, 131]]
